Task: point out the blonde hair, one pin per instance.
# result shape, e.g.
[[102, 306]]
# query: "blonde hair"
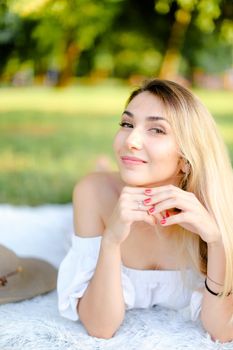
[[210, 175]]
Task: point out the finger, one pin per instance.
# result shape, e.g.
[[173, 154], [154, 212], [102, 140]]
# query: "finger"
[[167, 188], [169, 191], [149, 191], [138, 206], [158, 217], [143, 216], [167, 194], [174, 219], [141, 205], [135, 190], [182, 204], [154, 195], [158, 214], [137, 198], [147, 201]]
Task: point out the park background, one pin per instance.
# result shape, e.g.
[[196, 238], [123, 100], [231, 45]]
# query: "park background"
[[67, 67]]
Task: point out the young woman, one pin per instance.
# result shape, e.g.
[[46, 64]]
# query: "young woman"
[[159, 231]]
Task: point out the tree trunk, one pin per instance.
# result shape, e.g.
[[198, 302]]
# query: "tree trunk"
[[70, 58], [171, 60]]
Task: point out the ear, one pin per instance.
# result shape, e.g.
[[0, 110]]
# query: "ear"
[[185, 166]]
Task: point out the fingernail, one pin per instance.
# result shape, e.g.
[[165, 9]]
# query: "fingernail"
[[151, 210], [146, 201], [148, 191], [163, 221], [167, 214]]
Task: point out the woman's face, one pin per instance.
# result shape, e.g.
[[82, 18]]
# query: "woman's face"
[[145, 147]]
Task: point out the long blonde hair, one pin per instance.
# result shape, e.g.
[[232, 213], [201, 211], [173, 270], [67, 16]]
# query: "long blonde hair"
[[210, 175]]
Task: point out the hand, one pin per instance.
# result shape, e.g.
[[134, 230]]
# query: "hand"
[[129, 208], [192, 215]]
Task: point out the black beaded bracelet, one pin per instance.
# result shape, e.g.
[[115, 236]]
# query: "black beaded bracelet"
[[213, 293]]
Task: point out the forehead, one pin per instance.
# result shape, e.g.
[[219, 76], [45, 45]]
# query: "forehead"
[[146, 104]]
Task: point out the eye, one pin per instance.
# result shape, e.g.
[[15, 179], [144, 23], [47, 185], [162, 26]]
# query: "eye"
[[157, 131], [125, 125]]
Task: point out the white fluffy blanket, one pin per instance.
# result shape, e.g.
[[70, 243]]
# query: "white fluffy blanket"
[[36, 324]]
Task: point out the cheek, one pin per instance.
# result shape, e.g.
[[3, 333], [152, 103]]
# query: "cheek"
[[164, 151], [117, 142], [173, 153]]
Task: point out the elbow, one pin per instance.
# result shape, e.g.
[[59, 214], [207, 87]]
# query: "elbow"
[[105, 332], [222, 332], [102, 334], [222, 337], [101, 328]]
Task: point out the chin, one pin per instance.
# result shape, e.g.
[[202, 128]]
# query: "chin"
[[134, 181], [141, 180]]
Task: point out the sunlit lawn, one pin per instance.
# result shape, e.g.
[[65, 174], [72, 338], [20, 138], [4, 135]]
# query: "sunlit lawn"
[[50, 138]]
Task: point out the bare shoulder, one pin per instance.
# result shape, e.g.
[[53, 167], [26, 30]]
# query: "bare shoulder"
[[93, 198], [88, 182], [101, 183]]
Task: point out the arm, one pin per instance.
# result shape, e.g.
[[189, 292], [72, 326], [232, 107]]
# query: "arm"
[[102, 309], [216, 313]]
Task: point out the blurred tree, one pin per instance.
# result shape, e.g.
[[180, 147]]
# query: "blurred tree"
[[206, 15], [16, 44], [135, 42], [66, 28], [64, 38], [166, 43]]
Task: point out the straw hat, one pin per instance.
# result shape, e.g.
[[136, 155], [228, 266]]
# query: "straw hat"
[[23, 278]]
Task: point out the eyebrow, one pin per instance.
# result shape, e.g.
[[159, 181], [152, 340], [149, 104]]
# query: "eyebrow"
[[149, 118]]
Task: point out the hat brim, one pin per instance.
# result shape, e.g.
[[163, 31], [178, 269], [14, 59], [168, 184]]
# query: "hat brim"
[[37, 277]]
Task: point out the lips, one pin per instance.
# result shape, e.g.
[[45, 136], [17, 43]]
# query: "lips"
[[132, 160]]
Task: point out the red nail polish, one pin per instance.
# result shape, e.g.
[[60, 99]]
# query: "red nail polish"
[[148, 191], [167, 214], [148, 200], [163, 221], [151, 210]]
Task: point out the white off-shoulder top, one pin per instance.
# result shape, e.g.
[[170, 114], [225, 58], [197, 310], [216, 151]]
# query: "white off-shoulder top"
[[141, 288]]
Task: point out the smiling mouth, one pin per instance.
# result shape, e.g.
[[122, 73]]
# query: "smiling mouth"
[[132, 160]]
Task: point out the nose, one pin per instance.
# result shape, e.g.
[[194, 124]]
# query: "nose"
[[134, 140]]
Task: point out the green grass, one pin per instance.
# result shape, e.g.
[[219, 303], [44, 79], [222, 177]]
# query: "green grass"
[[49, 138]]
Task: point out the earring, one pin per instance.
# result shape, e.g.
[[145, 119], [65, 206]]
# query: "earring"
[[187, 167]]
